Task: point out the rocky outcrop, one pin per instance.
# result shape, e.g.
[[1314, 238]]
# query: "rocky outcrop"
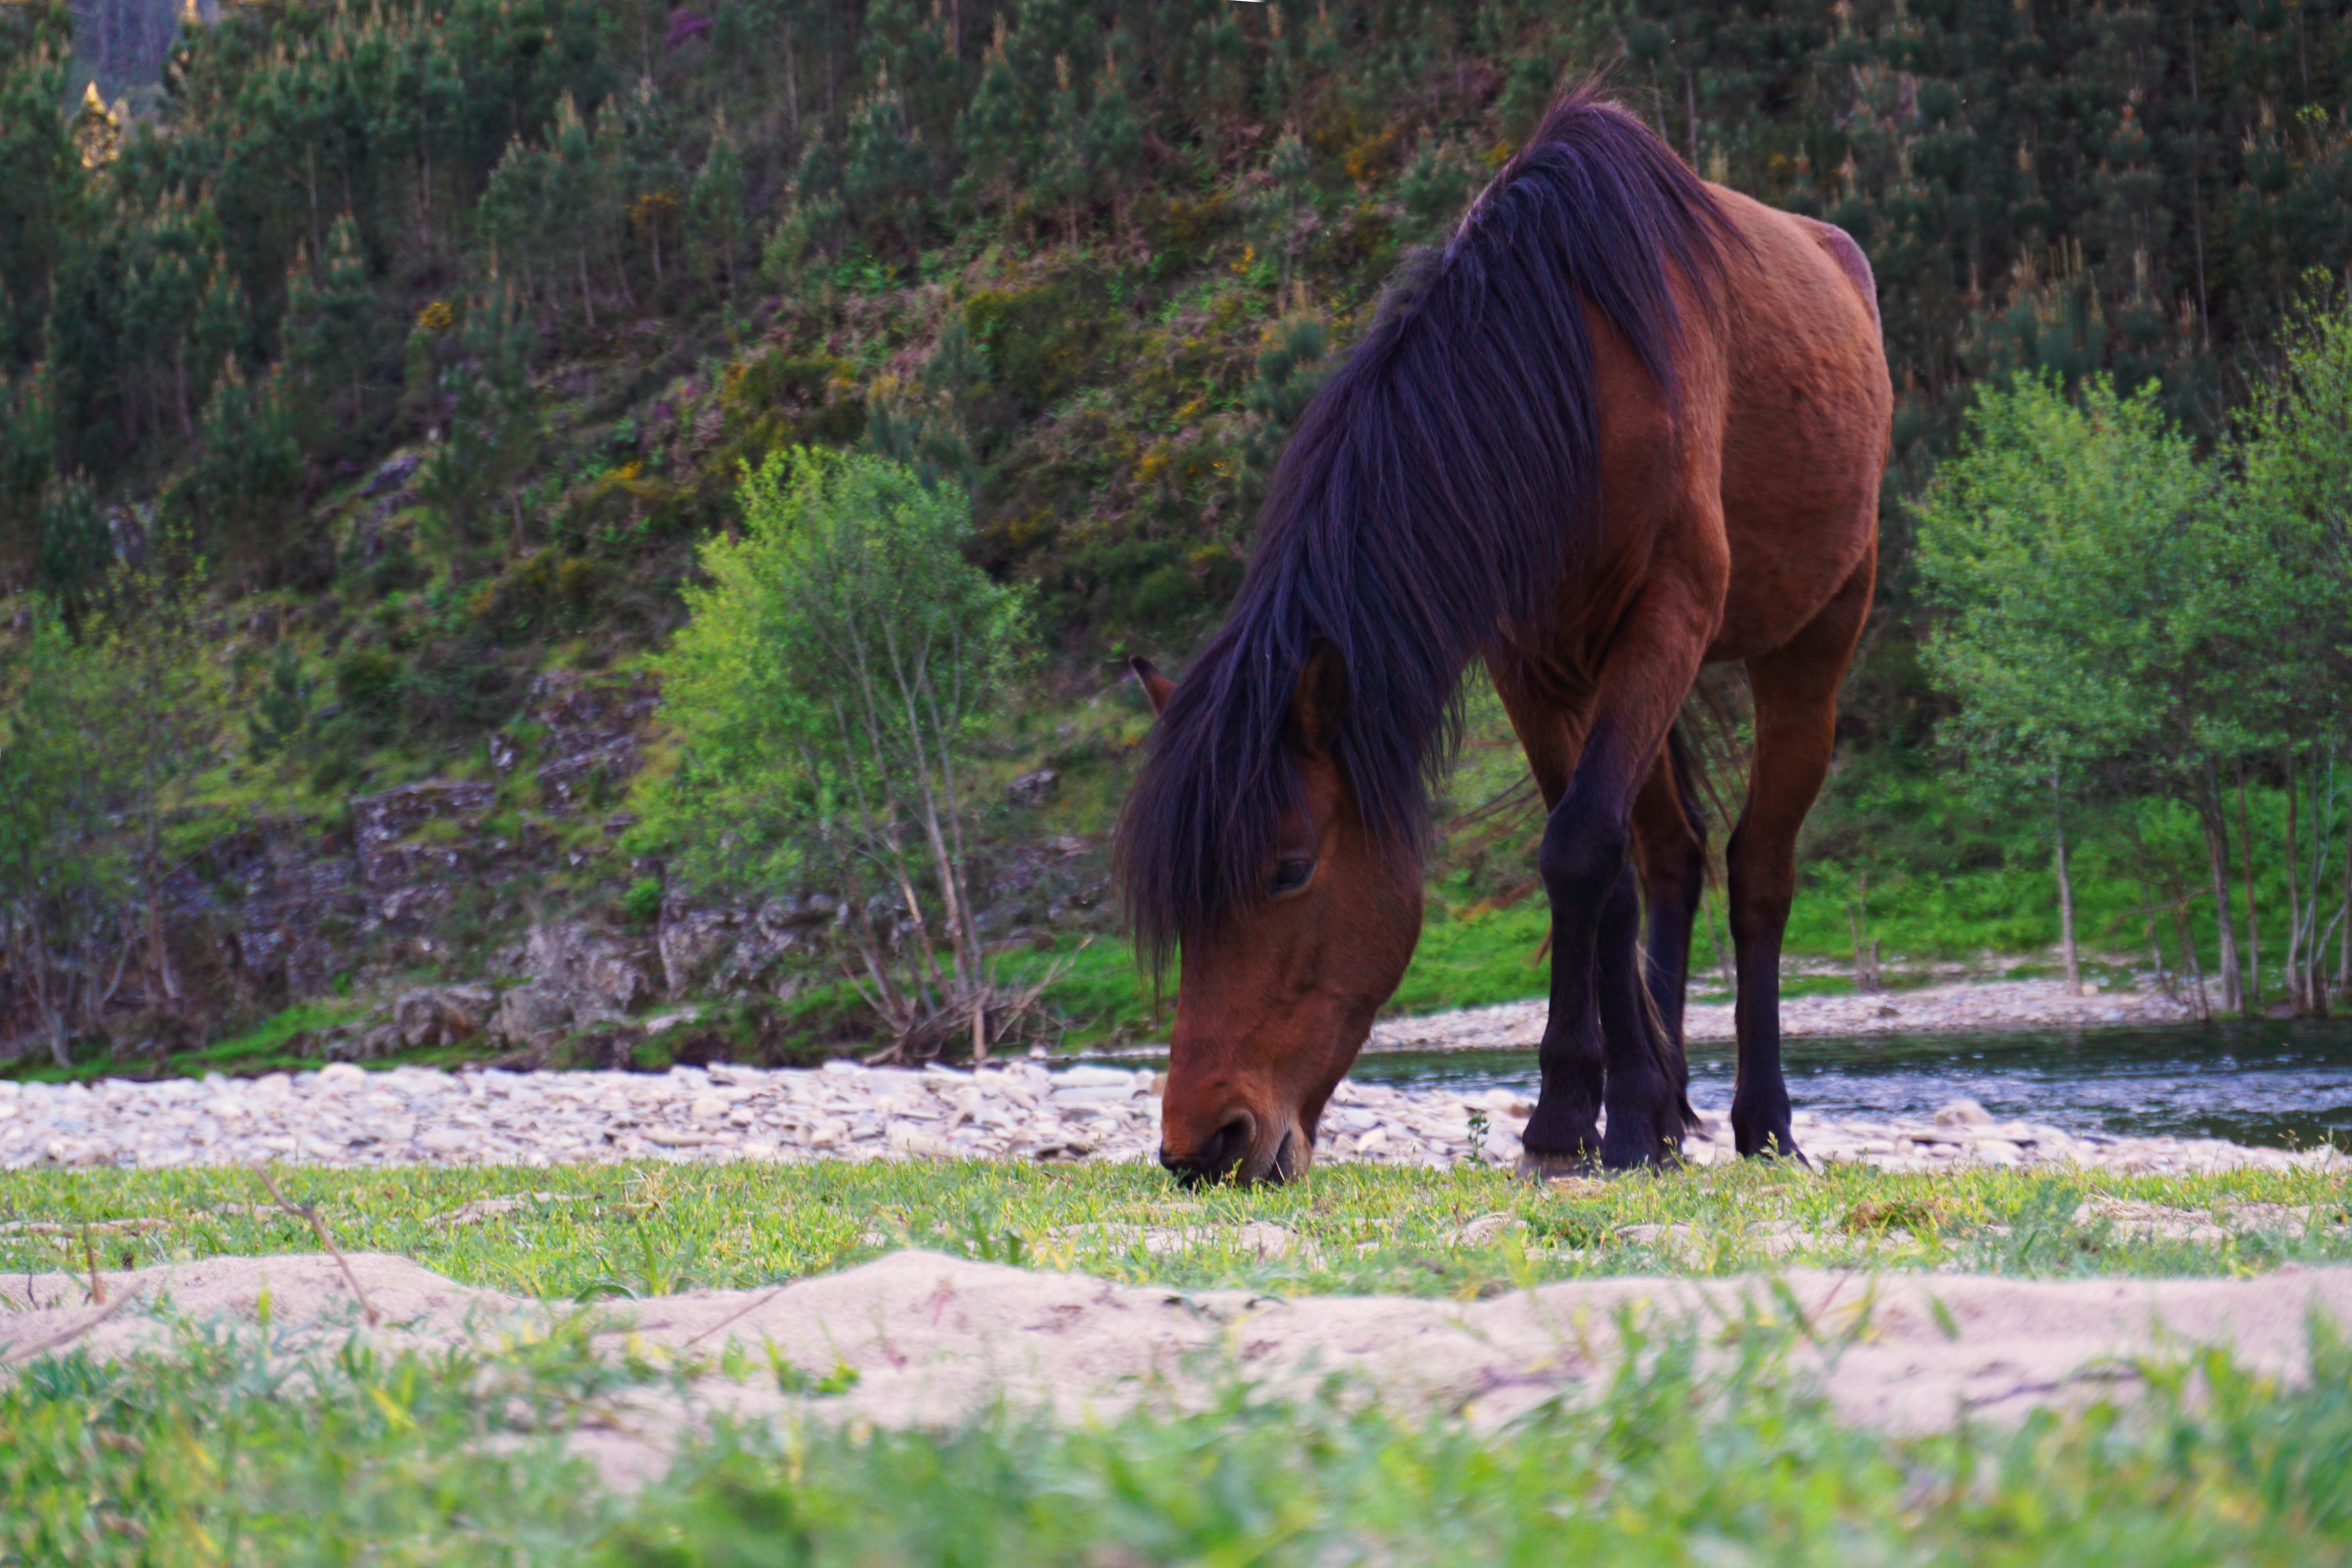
[[280, 906], [733, 949], [596, 735], [576, 975], [446, 1016], [409, 883], [1034, 789]]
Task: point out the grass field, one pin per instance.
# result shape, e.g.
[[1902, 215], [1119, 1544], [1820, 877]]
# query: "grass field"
[[221, 1453], [653, 1228]]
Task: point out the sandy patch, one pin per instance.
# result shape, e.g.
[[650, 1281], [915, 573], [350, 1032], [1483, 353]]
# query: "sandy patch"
[[933, 1339]]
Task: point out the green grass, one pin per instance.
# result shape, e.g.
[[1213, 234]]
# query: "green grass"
[[651, 1228], [280, 1043], [220, 1451], [1664, 1468]]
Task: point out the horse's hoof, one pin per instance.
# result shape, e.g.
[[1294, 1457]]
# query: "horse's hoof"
[[1661, 1153], [1535, 1167], [1776, 1149]]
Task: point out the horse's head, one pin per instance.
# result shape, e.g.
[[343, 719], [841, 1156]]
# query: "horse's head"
[[1274, 1003]]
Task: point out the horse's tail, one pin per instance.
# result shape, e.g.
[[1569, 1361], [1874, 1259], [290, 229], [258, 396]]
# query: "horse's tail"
[[1708, 750], [1693, 781]]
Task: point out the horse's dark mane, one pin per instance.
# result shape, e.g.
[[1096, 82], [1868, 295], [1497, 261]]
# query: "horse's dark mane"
[[1433, 495]]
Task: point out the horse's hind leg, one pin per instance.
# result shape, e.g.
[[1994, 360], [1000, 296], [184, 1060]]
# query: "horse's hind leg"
[[1670, 847], [1795, 690]]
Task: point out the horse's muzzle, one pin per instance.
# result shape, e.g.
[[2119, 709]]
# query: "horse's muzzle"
[[1230, 1154]]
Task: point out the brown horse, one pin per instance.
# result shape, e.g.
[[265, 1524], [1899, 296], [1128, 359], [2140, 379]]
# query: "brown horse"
[[1626, 424]]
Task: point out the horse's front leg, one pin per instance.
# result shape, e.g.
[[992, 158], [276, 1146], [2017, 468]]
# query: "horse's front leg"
[[1598, 1048]]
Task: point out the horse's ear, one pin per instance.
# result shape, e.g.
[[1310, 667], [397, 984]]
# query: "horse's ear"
[[1316, 704], [1156, 686]]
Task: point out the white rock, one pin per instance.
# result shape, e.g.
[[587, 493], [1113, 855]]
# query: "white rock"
[[1084, 1093], [337, 1076], [1095, 1078]]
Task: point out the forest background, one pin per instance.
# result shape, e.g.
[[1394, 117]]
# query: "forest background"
[[365, 367]]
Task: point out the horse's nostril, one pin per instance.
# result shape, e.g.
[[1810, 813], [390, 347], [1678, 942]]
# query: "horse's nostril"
[[1231, 1145], [1220, 1155]]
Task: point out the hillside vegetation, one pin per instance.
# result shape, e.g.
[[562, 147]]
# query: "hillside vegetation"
[[400, 358]]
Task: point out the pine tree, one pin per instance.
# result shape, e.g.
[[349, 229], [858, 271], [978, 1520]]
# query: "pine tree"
[[715, 210], [326, 329]]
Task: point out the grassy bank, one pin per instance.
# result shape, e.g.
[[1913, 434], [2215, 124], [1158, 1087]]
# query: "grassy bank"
[[217, 1453], [582, 1231], [203, 1458]]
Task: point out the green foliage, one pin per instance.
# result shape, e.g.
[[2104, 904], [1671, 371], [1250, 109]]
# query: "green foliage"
[[641, 905], [197, 1454], [74, 550], [319, 178], [107, 730], [843, 557], [2297, 498], [367, 682], [2087, 571], [491, 436], [826, 694], [241, 487], [281, 711]]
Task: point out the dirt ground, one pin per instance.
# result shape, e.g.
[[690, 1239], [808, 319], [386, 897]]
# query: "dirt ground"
[[932, 1338]]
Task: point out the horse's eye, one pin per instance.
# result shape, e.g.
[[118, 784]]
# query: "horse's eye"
[[1291, 875]]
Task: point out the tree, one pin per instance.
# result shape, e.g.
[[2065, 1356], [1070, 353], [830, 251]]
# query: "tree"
[[106, 727], [837, 664], [2084, 567], [494, 423], [326, 329], [58, 867], [2297, 454]]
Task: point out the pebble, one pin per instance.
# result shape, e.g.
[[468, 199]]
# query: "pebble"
[[1020, 1110]]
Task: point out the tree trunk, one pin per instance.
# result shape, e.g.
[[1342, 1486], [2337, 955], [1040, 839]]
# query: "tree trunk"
[[2197, 193], [2190, 963], [2295, 989], [2253, 991], [179, 376], [2065, 893], [1865, 952], [2217, 856], [2315, 941], [2344, 920], [2155, 946]]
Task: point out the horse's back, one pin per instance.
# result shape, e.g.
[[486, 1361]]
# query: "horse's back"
[[1805, 421]]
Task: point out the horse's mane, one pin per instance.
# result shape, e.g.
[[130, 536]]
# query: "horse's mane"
[[1435, 490]]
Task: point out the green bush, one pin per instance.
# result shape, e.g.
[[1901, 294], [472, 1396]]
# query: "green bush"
[[641, 905], [367, 681]]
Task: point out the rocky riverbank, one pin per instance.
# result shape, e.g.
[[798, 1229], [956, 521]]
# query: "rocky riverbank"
[[1950, 1008], [344, 1115]]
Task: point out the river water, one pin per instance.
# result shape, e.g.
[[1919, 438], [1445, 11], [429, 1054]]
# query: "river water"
[[2275, 1084]]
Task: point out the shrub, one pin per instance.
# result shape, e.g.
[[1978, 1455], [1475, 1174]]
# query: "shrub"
[[839, 662]]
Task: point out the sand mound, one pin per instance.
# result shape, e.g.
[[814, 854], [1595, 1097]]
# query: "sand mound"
[[932, 1338]]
